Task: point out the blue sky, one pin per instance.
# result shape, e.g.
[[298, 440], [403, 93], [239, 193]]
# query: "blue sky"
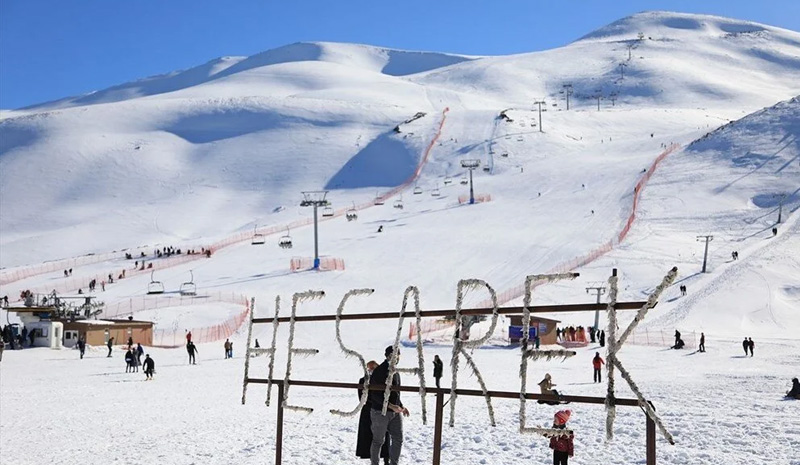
[[56, 48]]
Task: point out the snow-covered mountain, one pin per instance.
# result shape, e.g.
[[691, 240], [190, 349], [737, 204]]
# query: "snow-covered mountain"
[[700, 137], [194, 156]]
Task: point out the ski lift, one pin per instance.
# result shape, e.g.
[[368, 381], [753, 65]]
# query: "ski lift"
[[398, 203], [327, 212], [258, 238], [435, 192], [189, 287], [447, 180], [520, 139], [378, 199], [464, 180], [486, 168], [417, 190], [504, 154], [285, 242], [351, 213], [155, 287]]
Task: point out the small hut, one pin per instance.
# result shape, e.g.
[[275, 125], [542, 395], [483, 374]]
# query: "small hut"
[[545, 328]]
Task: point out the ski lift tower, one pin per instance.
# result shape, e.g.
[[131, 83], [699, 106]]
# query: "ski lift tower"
[[471, 164], [315, 199]]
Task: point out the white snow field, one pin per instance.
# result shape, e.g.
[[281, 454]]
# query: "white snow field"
[[704, 125]]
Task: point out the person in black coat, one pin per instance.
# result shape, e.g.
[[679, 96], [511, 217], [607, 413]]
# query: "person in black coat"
[[149, 367], [438, 369], [602, 338], [794, 393], [392, 422], [192, 349], [702, 347], [364, 439], [745, 345], [82, 346]]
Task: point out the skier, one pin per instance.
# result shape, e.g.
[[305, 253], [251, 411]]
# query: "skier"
[[192, 349], [257, 344], [380, 228], [139, 353], [597, 363], [109, 344], [750, 345], [794, 393], [745, 345], [702, 347], [774, 232], [82, 346], [562, 445], [438, 369], [677, 336], [602, 338], [149, 367]]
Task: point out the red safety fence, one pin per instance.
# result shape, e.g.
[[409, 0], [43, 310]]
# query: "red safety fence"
[[9, 276], [170, 338], [325, 264], [132, 305], [71, 284], [583, 260], [429, 326], [479, 198]]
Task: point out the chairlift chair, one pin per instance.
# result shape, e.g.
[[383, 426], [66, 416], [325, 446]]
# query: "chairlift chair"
[[155, 287], [398, 204], [258, 238], [327, 212], [417, 190], [447, 180], [486, 168], [351, 213], [464, 180], [378, 199], [435, 192], [189, 287], [285, 242]]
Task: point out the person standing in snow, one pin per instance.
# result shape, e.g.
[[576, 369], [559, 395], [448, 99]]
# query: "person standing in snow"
[[82, 346], [139, 353], [149, 367], [188, 337], [129, 361], [227, 347], [597, 363], [677, 336], [602, 338], [438, 369], [702, 347], [2, 348], [109, 344], [794, 393], [750, 345], [392, 422], [364, 436], [562, 444], [745, 346], [192, 349]]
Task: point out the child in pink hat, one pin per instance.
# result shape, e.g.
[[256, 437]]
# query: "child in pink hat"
[[562, 444]]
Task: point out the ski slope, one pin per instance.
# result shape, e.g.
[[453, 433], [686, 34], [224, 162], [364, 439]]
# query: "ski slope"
[[205, 155]]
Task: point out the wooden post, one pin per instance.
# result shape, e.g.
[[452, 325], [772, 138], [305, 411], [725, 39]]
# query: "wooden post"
[[437, 428], [279, 429], [651, 440]]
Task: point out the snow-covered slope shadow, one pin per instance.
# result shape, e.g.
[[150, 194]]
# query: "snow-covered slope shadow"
[[384, 162]]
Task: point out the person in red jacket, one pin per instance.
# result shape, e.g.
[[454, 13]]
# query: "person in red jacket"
[[597, 363], [562, 444]]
